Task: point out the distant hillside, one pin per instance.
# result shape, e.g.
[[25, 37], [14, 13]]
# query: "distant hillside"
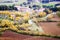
[[11, 2]]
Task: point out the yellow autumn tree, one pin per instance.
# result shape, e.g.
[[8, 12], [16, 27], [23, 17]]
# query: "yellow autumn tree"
[[42, 14]]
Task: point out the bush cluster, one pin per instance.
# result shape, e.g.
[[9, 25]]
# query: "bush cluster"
[[4, 7]]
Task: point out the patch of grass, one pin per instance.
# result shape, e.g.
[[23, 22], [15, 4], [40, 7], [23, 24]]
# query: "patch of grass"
[[1, 33], [58, 24]]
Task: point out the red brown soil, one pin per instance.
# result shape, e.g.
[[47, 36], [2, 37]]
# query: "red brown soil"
[[50, 27], [9, 35], [56, 18]]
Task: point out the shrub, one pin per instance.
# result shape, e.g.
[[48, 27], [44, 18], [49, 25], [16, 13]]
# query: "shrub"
[[58, 9], [58, 14]]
